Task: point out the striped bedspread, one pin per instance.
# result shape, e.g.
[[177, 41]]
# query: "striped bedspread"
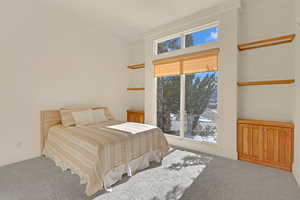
[[92, 151]]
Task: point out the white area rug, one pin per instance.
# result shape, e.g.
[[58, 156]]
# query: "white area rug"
[[165, 182]]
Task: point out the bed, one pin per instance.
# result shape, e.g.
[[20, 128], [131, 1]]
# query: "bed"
[[100, 153]]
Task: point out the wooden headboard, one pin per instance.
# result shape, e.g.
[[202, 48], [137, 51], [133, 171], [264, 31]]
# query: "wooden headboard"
[[48, 118], [52, 117]]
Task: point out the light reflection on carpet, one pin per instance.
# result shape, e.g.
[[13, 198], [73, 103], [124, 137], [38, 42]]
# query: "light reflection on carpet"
[[165, 182]]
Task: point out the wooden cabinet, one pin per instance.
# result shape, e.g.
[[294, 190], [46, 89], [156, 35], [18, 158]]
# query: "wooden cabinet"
[[135, 116], [265, 142]]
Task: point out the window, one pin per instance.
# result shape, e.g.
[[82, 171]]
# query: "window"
[[201, 106], [201, 37], [169, 45], [198, 36], [168, 104], [187, 95]]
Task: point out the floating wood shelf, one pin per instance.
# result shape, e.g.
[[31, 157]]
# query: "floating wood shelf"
[[139, 66], [272, 82], [267, 42], [135, 88]]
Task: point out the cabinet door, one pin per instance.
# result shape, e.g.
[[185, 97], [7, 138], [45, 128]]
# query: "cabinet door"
[[278, 146], [250, 142]]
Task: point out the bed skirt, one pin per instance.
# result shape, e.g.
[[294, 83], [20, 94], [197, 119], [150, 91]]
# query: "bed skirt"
[[143, 162], [114, 175]]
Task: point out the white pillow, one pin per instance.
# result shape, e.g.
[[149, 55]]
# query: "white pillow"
[[83, 117], [99, 115]]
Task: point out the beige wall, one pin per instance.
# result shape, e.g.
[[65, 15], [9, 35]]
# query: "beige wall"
[[297, 90], [137, 76], [49, 59], [261, 19], [258, 19], [227, 15]]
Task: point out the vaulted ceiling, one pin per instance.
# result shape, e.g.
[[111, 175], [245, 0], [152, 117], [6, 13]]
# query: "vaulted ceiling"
[[129, 19]]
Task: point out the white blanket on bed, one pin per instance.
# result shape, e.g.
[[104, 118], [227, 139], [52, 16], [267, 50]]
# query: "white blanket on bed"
[[132, 127]]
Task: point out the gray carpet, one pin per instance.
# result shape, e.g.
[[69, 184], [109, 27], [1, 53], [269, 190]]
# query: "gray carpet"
[[182, 175]]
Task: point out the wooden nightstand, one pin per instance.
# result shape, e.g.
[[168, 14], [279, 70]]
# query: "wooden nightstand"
[[135, 116]]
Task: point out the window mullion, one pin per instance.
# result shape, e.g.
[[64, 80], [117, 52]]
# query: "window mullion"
[[182, 41], [182, 105]]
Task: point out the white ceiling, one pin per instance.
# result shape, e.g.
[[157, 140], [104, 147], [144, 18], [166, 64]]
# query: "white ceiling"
[[129, 19]]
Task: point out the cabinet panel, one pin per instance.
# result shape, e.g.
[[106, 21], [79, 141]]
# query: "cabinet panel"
[[269, 134], [257, 142], [250, 141], [285, 148]]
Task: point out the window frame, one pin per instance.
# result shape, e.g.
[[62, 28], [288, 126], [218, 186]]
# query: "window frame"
[[182, 35], [169, 37]]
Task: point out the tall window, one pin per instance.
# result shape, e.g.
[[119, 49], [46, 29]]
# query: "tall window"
[[201, 106], [168, 104], [187, 95], [189, 38]]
